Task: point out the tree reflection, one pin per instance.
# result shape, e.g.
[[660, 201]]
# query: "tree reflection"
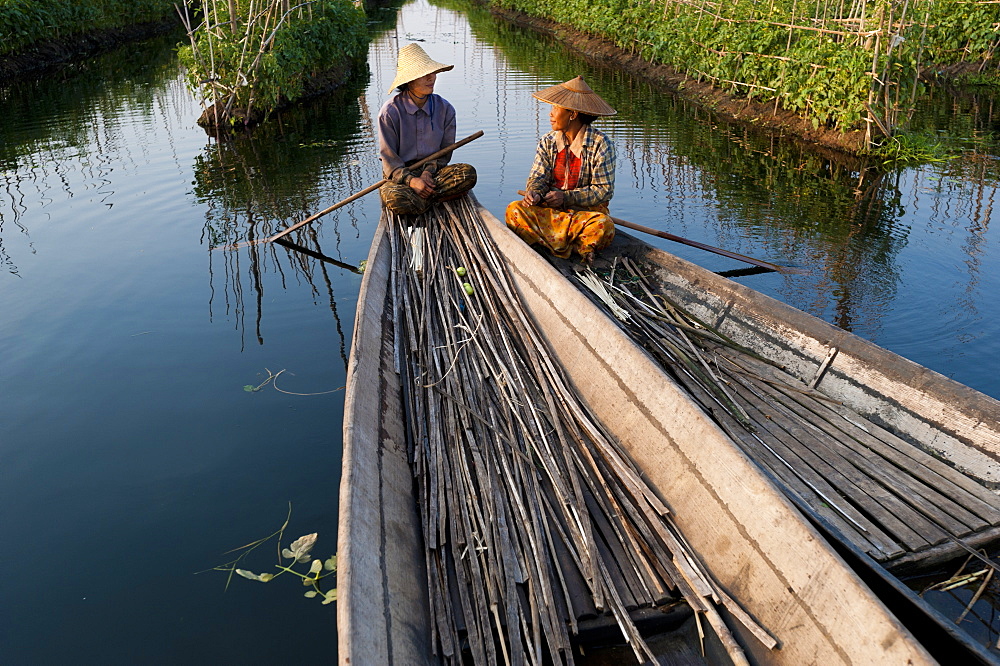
[[261, 183]]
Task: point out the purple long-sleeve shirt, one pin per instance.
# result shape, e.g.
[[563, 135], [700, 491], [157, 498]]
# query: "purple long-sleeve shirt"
[[408, 133]]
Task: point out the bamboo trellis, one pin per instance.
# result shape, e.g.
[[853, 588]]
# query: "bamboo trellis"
[[899, 37]]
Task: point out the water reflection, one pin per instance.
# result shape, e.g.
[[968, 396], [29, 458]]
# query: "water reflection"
[[66, 142], [258, 184]]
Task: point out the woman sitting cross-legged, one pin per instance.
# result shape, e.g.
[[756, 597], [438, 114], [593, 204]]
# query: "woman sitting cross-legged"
[[565, 206], [412, 125]]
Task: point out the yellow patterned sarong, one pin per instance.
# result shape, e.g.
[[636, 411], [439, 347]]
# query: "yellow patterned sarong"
[[562, 232]]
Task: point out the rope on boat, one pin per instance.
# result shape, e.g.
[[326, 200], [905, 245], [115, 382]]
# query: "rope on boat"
[[525, 499]]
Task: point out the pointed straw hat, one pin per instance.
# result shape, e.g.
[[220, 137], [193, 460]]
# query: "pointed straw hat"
[[575, 94], [414, 63]]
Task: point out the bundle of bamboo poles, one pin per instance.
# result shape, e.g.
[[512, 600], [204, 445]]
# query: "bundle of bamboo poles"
[[532, 514], [890, 498]]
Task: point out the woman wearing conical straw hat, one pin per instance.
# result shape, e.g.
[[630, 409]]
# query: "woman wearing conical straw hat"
[[565, 207], [413, 124]]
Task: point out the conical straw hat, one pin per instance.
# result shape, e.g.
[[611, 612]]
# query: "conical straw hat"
[[575, 94], [414, 63]]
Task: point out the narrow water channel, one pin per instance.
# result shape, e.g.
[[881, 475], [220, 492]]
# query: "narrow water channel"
[[165, 401]]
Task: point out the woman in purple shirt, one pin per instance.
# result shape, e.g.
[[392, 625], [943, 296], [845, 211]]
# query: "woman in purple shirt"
[[413, 124]]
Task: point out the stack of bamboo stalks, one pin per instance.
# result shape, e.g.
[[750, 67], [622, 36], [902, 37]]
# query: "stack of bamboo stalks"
[[891, 499], [532, 515]]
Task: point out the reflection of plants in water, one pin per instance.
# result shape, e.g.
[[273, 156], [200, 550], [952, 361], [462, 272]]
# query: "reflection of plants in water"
[[60, 135], [256, 185], [961, 118], [298, 552], [103, 86]]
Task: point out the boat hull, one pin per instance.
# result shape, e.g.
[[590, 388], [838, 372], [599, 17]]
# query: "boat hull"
[[947, 419], [756, 545]]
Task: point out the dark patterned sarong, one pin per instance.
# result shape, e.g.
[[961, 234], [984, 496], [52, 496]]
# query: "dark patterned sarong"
[[451, 182]]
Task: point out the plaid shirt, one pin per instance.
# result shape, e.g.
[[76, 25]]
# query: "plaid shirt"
[[596, 184]]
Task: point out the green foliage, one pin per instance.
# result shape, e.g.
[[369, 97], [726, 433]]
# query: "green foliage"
[[986, 80], [961, 31], [909, 148], [27, 22], [812, 58], [298, 552], [267, 60]]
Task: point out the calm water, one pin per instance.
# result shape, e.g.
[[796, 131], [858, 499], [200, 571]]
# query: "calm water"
[[131, 455]]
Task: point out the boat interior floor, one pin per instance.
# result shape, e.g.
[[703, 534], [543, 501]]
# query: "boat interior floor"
[[902, 506], [676, 643]]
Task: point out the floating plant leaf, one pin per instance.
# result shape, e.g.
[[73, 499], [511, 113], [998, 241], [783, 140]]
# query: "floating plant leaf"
[[263, 578], [299, 550]]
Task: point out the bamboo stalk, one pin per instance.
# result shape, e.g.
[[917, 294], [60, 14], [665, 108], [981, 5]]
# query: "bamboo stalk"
[[512, 468]]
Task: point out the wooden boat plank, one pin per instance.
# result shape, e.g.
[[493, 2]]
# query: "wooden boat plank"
[[379, 612], [778, 453], [908, 483], [823, 499], [802, 479], [968, 493], [981, 501], [901, 521], [904, 488]]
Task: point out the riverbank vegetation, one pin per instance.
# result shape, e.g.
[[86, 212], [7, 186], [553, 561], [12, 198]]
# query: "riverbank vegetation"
[[248, 58], [849, 66], [24, 23]]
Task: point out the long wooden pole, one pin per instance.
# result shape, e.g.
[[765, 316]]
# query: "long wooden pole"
[[370, 188], [702, 246]]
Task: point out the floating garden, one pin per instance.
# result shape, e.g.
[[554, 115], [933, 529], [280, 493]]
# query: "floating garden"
[[848, 65], [247, 58]]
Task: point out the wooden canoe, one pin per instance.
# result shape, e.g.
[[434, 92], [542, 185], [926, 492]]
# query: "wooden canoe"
[[898, 465], [754, 542]]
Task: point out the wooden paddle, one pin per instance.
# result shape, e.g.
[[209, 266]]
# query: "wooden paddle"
[[702, 246], [356, 195]]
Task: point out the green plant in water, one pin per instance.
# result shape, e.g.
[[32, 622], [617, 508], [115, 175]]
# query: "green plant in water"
[[246, 54], [298, 552], [909, 148]]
